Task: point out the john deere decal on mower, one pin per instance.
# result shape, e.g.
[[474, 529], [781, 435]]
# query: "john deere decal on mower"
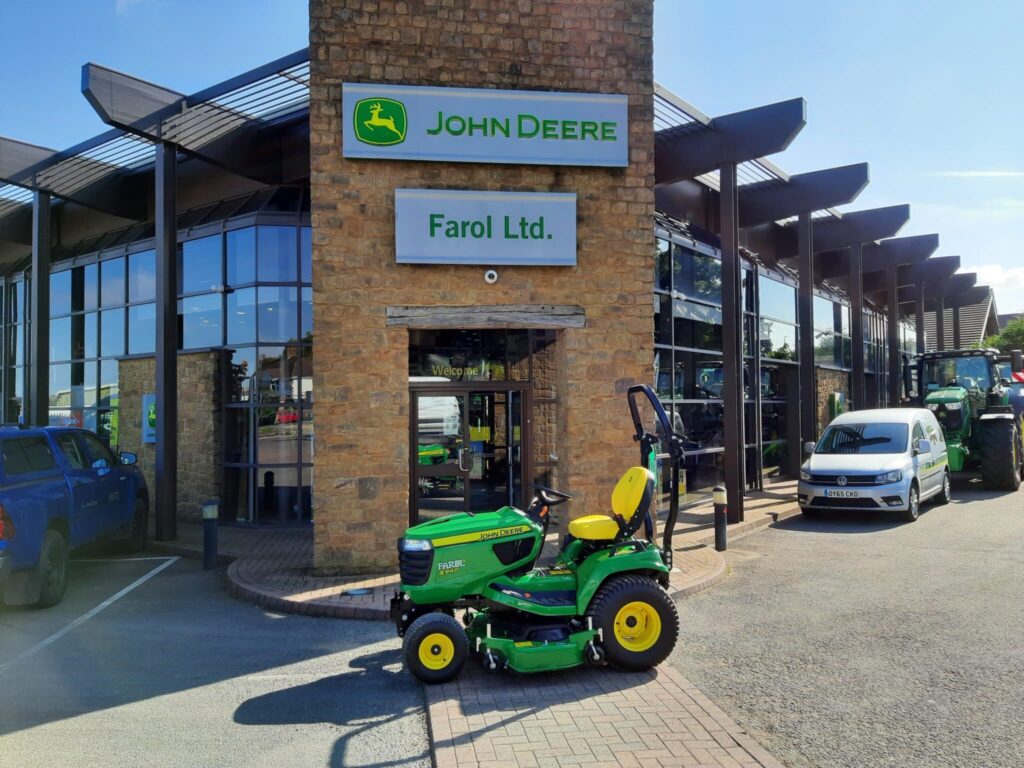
[[603, 601]]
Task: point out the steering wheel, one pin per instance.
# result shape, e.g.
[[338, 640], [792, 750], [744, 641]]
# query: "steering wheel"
[[550, 496]]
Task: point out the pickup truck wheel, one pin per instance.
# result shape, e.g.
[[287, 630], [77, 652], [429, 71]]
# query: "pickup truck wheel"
[[137, 532], [53, 569]]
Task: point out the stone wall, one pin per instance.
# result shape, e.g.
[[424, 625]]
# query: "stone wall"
[[827, 382], [200, 453], [361, 479]]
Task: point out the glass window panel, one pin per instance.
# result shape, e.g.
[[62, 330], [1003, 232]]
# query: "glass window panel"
[[696, 375], [60, 339], [844, 318], [60, 293], [236, 435], [16, 302], [773, 421], [276, 377], [697, 325], [109, 383], [306, 333], [663, 320], [18, 342], [305, 392], [243, 366], [236, 495], [112, 332], [89, 371], [306, 254], [142, 276], [60, 385], [241, 316], [778, 300], [276, 254], [201, 321], [278, 313], [141, 329], [824, 315], [696, 275], [241, 256], [112, 282], [773, 383], [199, 265], [824, 348], [277, 494], [90, 286], [778, 340], [663, 373], [663, 265], [90, 335]]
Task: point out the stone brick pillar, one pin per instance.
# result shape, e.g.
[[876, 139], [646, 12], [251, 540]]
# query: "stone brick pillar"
[[200, 452], [829, 381], [362, 452]]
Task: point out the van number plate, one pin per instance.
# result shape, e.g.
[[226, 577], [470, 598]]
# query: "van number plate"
[[841, 494]]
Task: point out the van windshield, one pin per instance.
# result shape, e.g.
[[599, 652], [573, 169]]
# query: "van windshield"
[[863, 438]]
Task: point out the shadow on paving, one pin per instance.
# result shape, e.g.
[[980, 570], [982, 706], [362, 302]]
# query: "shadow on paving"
[[845, 521], [179, 632], [330, 701]]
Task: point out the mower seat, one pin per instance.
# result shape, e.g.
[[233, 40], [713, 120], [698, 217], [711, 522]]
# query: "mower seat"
[[630, 499]]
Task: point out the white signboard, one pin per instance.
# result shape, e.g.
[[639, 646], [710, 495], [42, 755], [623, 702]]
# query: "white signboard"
[[478, 125], [490, 228]]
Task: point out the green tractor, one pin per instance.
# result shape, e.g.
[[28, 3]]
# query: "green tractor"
[[972, 403], [604, 601]]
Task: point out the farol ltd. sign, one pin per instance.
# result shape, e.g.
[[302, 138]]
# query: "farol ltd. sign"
[[490, 228], [475, 125]]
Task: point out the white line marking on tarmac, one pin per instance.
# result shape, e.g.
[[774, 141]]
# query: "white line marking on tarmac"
[[117, 559], [86, 616]]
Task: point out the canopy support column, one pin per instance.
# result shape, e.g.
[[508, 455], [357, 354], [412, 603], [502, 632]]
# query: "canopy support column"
[[940, 322], [38, 413], [732, 343], [857, 383], [805, 318], [165, 494], [956, 325], [895, 376], [919, 319]]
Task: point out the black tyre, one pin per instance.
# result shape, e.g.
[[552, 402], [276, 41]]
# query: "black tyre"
[[944, 495], [638, 621], [53, 569], [913, 510], [138, 529], [435, 648], [1000, 451]]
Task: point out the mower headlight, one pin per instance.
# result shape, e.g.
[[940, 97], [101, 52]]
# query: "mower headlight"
[[889, 477], [954, 406], [416, 545]]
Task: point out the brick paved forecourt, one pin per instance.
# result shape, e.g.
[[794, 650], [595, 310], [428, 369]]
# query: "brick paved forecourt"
[[583, 717]]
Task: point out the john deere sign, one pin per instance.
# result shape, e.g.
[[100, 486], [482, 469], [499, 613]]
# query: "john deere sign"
[[471, 125]]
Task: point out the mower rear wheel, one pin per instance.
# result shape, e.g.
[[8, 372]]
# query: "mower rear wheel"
[[435, 647], [638, 621]]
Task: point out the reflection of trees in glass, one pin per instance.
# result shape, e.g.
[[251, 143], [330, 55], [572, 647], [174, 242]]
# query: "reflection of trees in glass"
[[785, 352], [707, 277]]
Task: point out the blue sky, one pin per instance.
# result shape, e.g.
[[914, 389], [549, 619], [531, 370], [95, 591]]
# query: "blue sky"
[[930, 93]]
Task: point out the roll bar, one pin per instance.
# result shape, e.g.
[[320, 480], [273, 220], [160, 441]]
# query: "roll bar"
[[672, 442]]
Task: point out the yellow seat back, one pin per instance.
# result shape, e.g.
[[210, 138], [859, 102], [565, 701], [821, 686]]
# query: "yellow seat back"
[[629, 493]]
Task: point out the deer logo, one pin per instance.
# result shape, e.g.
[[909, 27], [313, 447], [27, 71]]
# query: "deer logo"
[[380, 122]]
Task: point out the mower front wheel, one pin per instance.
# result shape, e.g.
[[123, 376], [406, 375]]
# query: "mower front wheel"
[[435, 648], [638, 621]]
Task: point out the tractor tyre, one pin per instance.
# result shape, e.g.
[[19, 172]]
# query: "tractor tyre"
[[638, 621], [1000, 449], [435, 648]]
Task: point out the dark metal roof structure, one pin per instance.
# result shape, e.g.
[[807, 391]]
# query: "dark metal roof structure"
[[978, 319]]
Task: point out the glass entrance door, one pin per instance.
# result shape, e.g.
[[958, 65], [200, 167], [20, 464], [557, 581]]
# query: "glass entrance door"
[[468, 448]]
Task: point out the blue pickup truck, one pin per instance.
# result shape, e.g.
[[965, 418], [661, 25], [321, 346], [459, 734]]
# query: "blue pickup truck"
[[61, 488]]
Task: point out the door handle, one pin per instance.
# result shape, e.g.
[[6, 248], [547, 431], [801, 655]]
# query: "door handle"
[[462, 451]]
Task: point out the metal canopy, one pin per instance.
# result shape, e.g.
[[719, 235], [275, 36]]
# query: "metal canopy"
[[230, 125], [92, 173], [948, 288], [687, 151], [769, 201], [882, 255], [842, 231], [932, 270]]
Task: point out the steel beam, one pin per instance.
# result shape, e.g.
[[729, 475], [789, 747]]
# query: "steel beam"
[[166, 491], [956, 323], [858, 388], [691, 150], [774, 200], [940, 323], [732, 344], [805, 319], [892, 336], [838, 233], [919, 319], [39, 314], [950, 287]]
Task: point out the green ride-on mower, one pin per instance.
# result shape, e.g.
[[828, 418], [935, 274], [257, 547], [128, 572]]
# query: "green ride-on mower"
[[604, 601], [973, 404]]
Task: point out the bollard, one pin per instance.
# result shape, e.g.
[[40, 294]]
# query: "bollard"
[[720, 498], [211, 509]]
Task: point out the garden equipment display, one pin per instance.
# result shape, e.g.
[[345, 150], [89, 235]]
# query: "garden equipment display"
[[604, 601]]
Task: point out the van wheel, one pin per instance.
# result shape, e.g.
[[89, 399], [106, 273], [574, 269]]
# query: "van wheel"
[[943, 496], [137, 531], [52, 569], [913, 510]]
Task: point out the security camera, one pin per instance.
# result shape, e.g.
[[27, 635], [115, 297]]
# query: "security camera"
[[491, 276]]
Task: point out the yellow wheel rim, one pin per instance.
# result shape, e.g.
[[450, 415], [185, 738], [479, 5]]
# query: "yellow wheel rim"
[[637, 626], [436, 651]]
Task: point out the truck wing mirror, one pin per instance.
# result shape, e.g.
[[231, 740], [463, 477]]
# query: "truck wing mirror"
[[809, 447]]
